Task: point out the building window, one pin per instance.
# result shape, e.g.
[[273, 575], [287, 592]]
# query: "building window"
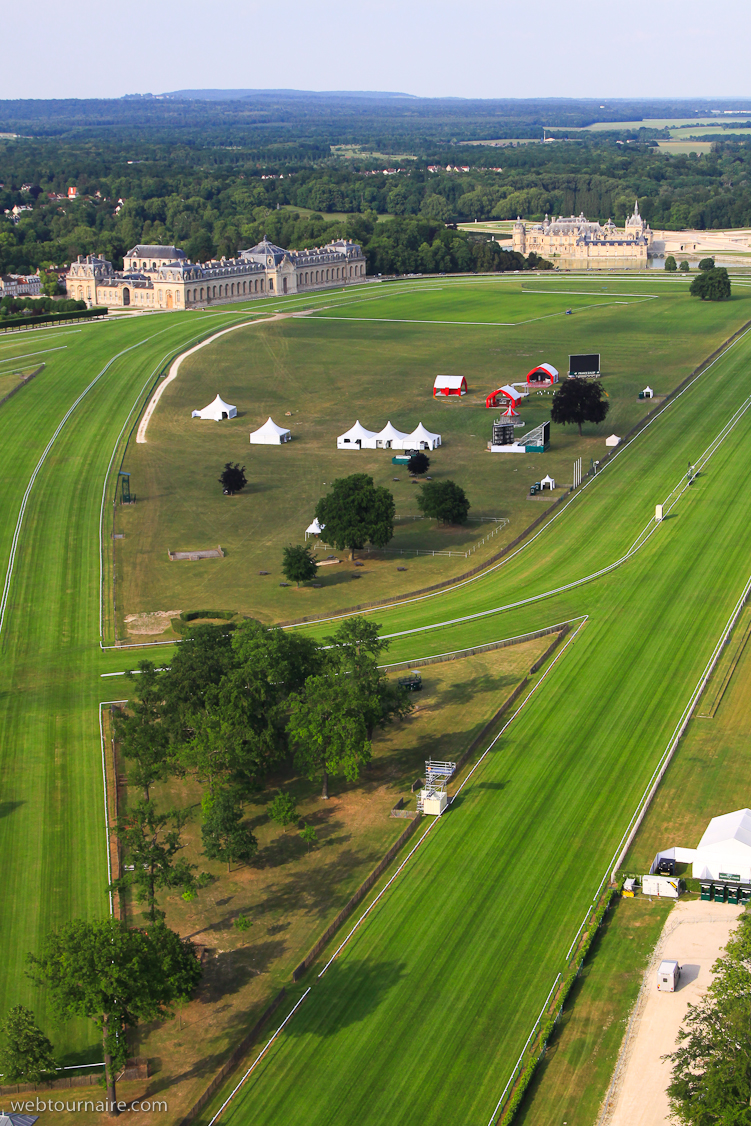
[[271, 285]]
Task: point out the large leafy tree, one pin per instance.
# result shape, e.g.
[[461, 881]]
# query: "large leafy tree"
[[232, 478], [224, 835], [115, 977], [577, 401], [445, 501], [354, 649], [356, 512], [711, 1081], [298, 563], [150, 843], [143, 738], [25, 1052], [328, 730], [711, 285]]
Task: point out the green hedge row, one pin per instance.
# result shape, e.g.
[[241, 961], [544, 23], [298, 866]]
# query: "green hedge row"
[[47, 318], [191, 615]]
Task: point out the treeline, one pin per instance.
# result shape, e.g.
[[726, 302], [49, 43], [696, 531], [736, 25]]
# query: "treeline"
[[235, 706], [30, 306]]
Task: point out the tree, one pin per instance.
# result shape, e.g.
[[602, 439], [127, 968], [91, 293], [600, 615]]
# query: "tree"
[[309, 835], [224, 835], [328, 730], [357, 511], [143, 738], [684, 266], [706, 264], [116, 977], [355, 649], [299, 563], [418, 463], [670, 264], [25, 1052], [711, 1081], [149, 848], [232, 478], [50, 282], [444, 501], [578, 401], [283, 809], [712, 285]]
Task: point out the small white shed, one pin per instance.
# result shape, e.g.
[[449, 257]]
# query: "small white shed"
[[613, 440], [434, 801], [216, 411], [668, 976], [270, 434]]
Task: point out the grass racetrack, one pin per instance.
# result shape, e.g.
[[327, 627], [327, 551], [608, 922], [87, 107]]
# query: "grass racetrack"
[[423, 1015]]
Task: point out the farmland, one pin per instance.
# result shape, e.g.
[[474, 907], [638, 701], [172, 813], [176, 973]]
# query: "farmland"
[[448, 973]]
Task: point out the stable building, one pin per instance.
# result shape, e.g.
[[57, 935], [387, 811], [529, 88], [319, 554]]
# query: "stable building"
[[163, 277]]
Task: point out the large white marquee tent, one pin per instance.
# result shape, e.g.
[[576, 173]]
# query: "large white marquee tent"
[[358, 438], [723, 853], [216, 411], [270, 434]]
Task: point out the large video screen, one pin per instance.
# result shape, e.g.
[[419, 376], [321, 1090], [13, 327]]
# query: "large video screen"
[[584, 364]]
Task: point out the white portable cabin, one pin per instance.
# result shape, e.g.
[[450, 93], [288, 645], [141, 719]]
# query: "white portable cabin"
[[270, 434], [613, 440], [216, 411], [668, 976], [665, 886], [356, 438]]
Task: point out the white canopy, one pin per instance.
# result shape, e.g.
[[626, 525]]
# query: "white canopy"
[[421, 439], [391, 438], [724, 851], [216, 410], [547, 482], [613, 440], [314, 529], [269, 434], [356, 438]]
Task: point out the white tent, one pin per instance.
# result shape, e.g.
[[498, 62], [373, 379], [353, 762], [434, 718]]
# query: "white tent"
[[648, 393], [724, 852], [547, 482], [422, 439], [216, 410], [391, 439], [314, 529], [356, 438], [269, 434], [613, 440]]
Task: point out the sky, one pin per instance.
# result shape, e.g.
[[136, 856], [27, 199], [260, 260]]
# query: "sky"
[[432, 48]]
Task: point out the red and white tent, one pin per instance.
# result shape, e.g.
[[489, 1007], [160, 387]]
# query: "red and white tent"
[[544, 375], [449, 385]]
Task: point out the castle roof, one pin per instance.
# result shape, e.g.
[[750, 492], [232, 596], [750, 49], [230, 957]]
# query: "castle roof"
[[265, 249], [143, 250]]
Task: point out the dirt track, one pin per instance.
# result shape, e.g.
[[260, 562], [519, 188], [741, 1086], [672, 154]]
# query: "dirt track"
[[694, 934]]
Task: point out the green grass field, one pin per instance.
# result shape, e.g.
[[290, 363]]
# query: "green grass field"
[[327, 372], [423, 1015]]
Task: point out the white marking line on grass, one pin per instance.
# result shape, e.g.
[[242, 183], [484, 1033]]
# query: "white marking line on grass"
[[40, 463], [531, 539], [521, 1054], [489, 748], [470, 324], [260, 1057], [28, 355], [173, 371]]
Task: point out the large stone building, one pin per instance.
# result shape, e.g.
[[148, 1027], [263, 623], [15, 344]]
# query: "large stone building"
[[577, 243], [162, 277]]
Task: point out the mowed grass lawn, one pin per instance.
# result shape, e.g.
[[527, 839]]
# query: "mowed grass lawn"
[[328, 372], [450, 971]]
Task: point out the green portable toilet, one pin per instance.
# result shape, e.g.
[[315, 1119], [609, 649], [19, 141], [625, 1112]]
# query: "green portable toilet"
[[706, 891], [733, 893], [746, 896], [719, 893], [641, 394]]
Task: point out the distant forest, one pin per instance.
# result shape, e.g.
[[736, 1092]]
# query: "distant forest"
[[214, 175]]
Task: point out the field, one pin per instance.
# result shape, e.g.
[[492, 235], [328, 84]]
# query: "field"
[[423, 1015], [373, 355]]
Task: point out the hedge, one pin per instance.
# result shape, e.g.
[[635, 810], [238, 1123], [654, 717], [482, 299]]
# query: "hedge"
[[49, 318]]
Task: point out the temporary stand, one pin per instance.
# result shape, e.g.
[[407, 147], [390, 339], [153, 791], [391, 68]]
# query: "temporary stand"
[[433, 797]]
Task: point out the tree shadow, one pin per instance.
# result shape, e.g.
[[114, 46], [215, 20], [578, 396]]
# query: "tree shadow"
[[357, 989], [8, 807], [492, 785]]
